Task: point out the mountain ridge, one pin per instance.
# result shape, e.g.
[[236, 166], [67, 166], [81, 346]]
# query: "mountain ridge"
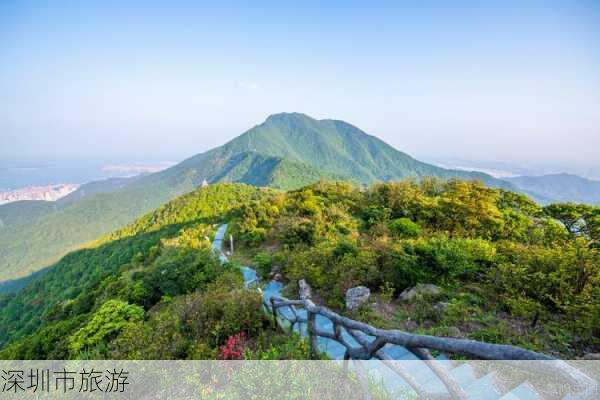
[[286, 151], [562, 187]]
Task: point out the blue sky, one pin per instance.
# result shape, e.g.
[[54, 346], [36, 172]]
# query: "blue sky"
[[515, 81]]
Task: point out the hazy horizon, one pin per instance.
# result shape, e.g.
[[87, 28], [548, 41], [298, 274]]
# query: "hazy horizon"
[[517, 82]]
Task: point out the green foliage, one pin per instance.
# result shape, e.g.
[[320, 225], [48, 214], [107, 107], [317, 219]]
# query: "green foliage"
[[454, 234], [263, 262], [451, 257], [113, 317], [424, 310], [128, 264], [404, 227], [496, 255], [47, 343], [282, 347], [193, 326], [176, 271], [579, 219], [220, 312], [376, 214], [386, 292]]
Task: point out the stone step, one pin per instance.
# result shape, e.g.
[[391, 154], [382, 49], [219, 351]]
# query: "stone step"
[[484, 388], [522, 392], [463, 374]]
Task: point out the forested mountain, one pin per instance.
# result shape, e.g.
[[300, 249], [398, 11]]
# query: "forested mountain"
[[561, 187], [162, 255], [507, 272], [286, 151], [332, 146]]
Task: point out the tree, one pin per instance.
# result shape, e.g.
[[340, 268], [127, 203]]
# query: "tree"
[[107, 322], [570, 214], [469, 208], [404, 227], [578, 219]]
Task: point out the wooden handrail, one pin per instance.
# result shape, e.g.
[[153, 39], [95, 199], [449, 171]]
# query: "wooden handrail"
[[420, 345]]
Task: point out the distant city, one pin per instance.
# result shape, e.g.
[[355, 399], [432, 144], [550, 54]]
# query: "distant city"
[[46, 193]]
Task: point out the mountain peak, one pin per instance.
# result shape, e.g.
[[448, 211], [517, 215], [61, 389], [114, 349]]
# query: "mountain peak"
[[286, 116]]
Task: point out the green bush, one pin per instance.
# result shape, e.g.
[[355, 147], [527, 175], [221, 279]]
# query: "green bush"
[[454, 258], [263, 262], [424, 310], [162, 330], [404, 227], [299, 231], [279, 347], [399, 267], [106, 323], [220, 312]]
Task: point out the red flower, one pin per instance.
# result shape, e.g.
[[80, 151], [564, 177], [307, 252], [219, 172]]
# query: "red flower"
[[233, 349]]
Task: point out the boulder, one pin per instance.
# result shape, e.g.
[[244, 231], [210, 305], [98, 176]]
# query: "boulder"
[[356, 297], [278, 277], [426, 289]]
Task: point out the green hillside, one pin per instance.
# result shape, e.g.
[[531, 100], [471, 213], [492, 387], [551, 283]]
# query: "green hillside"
[[67, 225], [186, 220], [23, 212], [286, 151], [154, 290]]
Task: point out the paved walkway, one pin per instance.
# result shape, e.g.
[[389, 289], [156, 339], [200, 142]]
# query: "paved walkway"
[[482, 388]]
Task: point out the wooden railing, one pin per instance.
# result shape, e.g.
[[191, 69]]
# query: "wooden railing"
[[419, 345]]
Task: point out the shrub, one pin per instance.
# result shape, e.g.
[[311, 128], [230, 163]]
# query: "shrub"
[[401, 268], [386, 292], [423, 310], [264, 263], [270, 346], [373, 214], [234, 347], [176, 271], [162, 330], [404, 227], [299, 231], [107, 322], [454, 258], [221, 311]]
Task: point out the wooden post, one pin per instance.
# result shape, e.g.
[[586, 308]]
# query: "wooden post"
[[231, 244], [274, 312]]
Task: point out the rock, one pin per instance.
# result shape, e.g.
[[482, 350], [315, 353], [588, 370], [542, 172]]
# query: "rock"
[[591, 356], [357, 296], [421, 289], [278, 277], [441, 306]]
